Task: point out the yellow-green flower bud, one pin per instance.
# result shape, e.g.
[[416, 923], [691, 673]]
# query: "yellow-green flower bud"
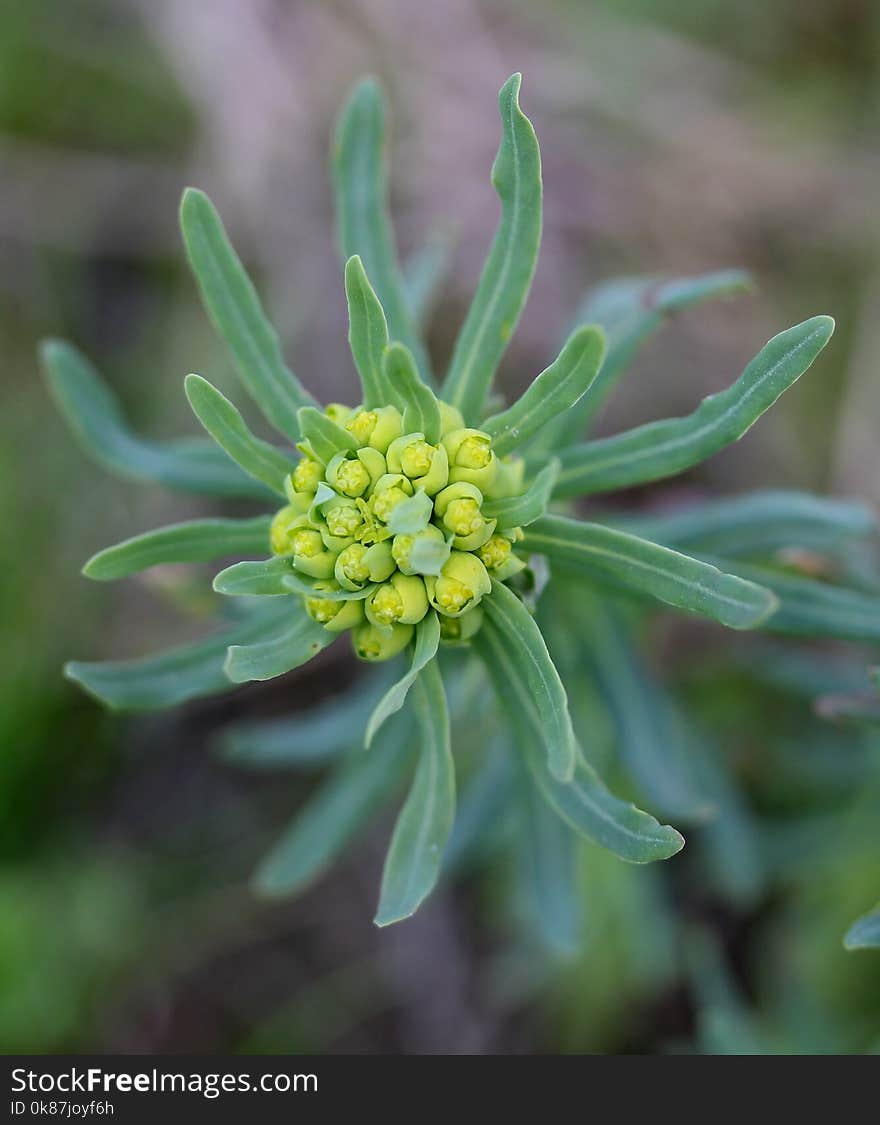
[[283, 524], [471, 458], [401, 600], [337, 412], [459, 630], [357, 565], [336, 616], [450, 418], [384, 502], [343, 517], [495, 552], [348, 475], [426, 465], [458, 509], [307, 475], [461, 584], [508, 479], [373, 643], [376, 428], [422, 553]]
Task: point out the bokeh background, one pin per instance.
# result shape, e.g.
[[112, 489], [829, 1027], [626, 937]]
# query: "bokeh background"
[[678, 136]]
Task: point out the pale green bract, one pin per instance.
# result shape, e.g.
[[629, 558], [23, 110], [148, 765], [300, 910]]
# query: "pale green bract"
[[430, 533]]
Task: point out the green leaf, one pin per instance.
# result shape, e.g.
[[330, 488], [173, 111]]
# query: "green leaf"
[[421, 411], [261, 578], [93, 414], [536, 677], [411, 515], [864, 933], [507, 274], [301, 584], [481, 809], [360, 180], [662, 449], [235, 311], [367, 332], [171, 677], [614, 556], [193, 541], [631, 309], [555, 390], [324, 435], [226, 426], [758, 523], [339, 808], [808, 608], [423, 275], [291, 646], [584, 802], [424, 651], [425, 822], [519, 511]]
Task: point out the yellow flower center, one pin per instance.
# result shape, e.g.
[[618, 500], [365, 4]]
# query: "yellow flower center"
[[451, 595], [352, 564], [495, 552], [387, 606], [361, 426], [307, 475], [463, 516], [474, 453], [416, 459], [322, 609], [386, 501], [352, 478], [344, 522], [306, 542], [401, 548], [368, 648]]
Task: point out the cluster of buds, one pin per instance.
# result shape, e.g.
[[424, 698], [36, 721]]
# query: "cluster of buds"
[[393, 528]]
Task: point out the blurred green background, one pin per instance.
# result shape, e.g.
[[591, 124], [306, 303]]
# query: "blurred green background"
[[677, 137]]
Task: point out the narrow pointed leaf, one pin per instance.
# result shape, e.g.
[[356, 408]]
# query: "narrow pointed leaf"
[[226, 426], [662, 449], [297, 583], [236, 312], [325, 436], [864, 933], [360, 179], [603, 553], [411, 515], [367, 332], [507, 274], [631, 309], [808, 608], [290, 646], [94, 415], [555, 390], [758, 522], [168, 678], [424, 825], [193, 541], [260, 578], [536, 677], [339, 809], [421, 411], [424, 651], [584, 802], [519, 511]]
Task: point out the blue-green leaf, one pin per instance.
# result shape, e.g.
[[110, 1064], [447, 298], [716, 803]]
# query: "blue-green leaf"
[[260, 578], [865, 932], [421, 411], [289, 647], [226, 426], [662, 449], [625, 560], [340, 807], [367, 333], [297, 583], [360, 180], [519, 511], [193, 541], [324, 435], [507, 274], [536, 677], [424, 651], [236, 312], [411, 515], [585, 803], [424, 825], [171, 677], [631, 309], [555, 390], [93, 414]]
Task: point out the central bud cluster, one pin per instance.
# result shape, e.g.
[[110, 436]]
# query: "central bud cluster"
[[393, 527]]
